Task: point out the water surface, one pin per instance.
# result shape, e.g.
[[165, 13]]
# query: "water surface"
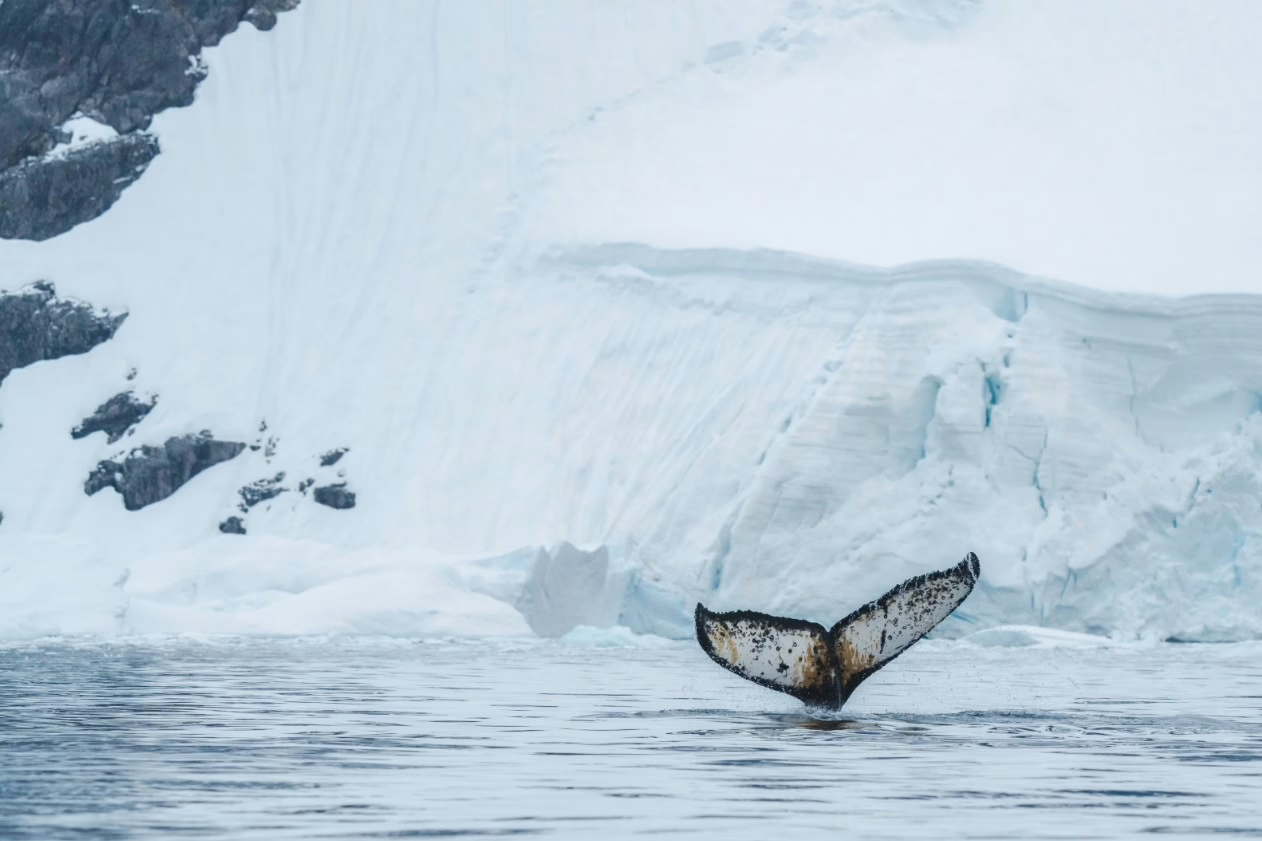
[[387, 739]]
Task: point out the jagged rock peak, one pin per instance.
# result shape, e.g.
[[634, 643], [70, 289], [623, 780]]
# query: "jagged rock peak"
[[151, 474], [36, 325], [42, 198], [115, 417]]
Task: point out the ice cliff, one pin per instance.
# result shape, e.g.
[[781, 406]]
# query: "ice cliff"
[[480, 319], [845, 424]]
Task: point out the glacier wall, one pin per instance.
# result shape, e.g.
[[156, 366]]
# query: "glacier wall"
[[1099, 452], [377, 231]]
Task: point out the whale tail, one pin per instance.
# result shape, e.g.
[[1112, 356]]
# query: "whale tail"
[[822, 667]]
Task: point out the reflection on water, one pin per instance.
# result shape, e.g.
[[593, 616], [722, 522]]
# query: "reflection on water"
[[387, 739]]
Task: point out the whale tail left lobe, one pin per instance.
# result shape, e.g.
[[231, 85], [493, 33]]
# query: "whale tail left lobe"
[[822, 667]]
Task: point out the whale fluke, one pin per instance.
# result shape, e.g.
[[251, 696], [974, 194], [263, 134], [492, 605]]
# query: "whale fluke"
[[823, 667]]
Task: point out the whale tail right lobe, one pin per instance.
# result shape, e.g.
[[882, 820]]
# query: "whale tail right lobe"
[[823, 667]]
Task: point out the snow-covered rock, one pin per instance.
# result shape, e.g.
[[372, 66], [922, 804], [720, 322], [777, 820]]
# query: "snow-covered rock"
[[81, 81]]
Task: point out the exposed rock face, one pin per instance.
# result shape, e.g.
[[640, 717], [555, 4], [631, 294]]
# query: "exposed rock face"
[[115, 417], [332, 457], [232, 525], [151, 474], [42, 198], [36, 325], [335, 496], [116, 61], [261, 491]]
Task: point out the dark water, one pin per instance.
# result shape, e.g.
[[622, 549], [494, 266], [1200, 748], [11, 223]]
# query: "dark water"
[[304, 739]]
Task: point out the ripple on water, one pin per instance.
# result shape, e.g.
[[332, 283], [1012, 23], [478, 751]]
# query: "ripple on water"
[[354, 739]]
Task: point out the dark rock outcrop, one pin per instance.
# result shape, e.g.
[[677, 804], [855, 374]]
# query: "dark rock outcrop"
[[335, 496], [151, 474], [36, 325], [115, 417], [261, 491], [232, 525], [119, 62], [44, 197], [332, 457]]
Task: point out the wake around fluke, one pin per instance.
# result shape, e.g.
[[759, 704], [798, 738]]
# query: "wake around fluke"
[[823, 667]]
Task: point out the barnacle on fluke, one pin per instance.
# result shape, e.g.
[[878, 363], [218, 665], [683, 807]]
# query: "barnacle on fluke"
[[823, 667]]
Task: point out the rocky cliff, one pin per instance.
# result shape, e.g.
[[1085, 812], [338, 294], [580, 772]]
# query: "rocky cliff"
[[115, 62]]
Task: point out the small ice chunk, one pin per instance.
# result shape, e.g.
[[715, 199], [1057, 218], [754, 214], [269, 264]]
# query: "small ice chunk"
[[587, 636], [1030, 636]]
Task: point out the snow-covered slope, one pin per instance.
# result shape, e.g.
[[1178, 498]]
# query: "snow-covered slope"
[[406, 229]]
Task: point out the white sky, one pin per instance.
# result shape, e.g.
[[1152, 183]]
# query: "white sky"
[[1112, 143]]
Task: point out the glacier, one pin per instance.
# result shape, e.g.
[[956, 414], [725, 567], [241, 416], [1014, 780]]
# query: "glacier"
[[601, 336]]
